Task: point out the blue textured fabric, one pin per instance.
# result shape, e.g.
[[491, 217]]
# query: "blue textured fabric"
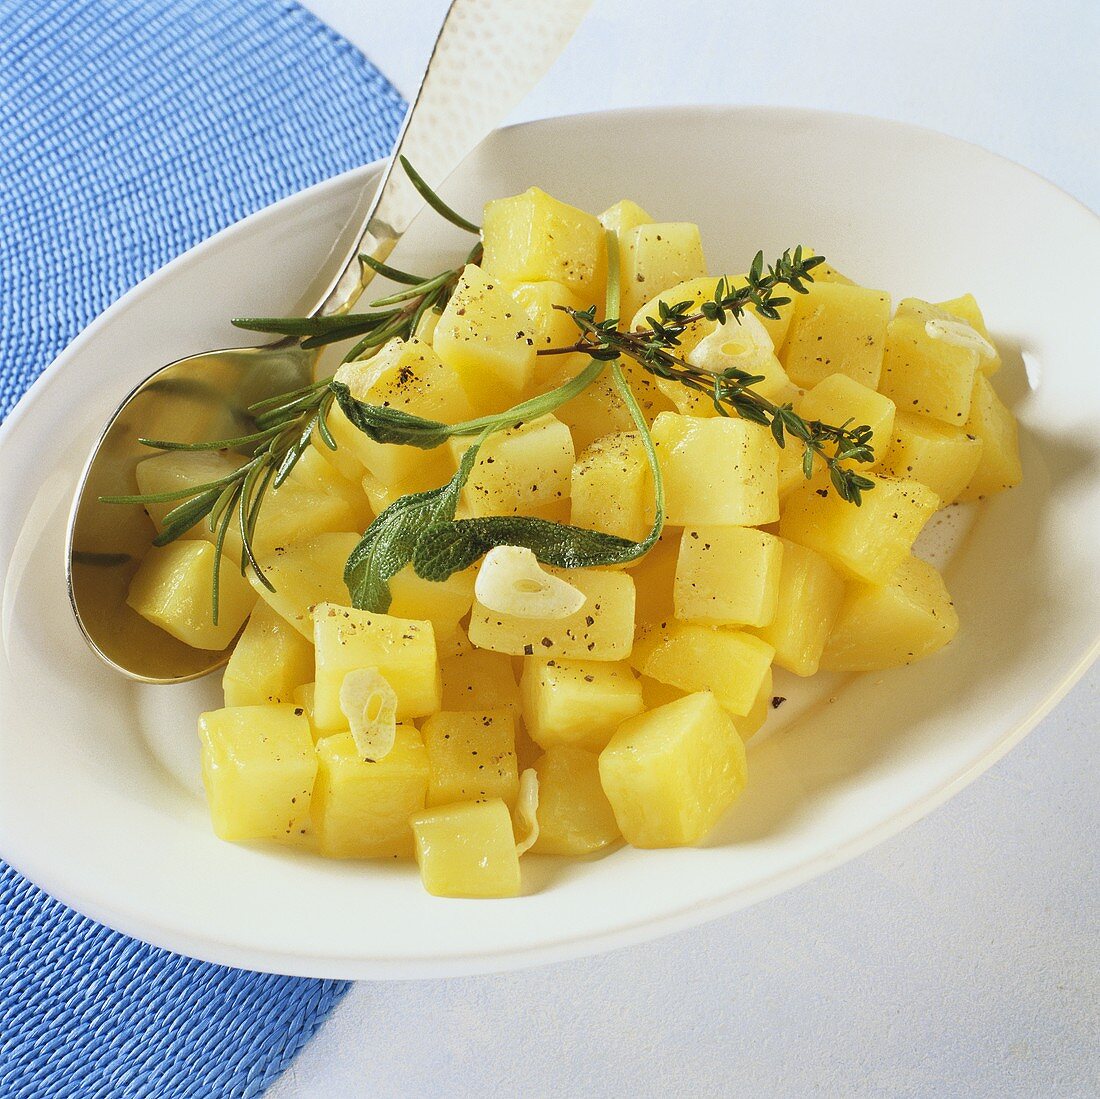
[[129, 131]]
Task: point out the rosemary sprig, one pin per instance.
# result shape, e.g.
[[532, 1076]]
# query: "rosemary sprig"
[[732, 390]]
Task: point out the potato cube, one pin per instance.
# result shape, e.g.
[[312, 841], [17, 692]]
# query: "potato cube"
[[717, 472], [966, 309], [866, 542], [657, 257], [408, 377], [487, 339], [471, 756], [577, 702], [838, 399], [730, 664], [603, 629], [319, 477], [258, 767], [402, 650], [479, 680], [174, 589], [929, 376], [995, 426], [942, 457], [361, 808], [174, 470], [519, 470], [696, 291], [467, 850], [654, 576], [269, 661], [672, 772], [620, 218], [442, 603], [727, 576], [884, 626], [836, 329], [750, 724], [551, 327], [535, 238], [612, 488], [574, 815], [810, 594], [596, 412], [303, 575]]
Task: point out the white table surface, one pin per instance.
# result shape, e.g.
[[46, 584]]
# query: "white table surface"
[[959, 958]]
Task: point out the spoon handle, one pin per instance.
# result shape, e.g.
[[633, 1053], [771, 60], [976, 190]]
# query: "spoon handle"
[[488, 56]]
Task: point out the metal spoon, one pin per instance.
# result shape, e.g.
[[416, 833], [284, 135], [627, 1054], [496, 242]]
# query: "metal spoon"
[[488, 55]]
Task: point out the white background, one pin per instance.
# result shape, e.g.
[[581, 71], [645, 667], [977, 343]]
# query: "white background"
[[963, 956]]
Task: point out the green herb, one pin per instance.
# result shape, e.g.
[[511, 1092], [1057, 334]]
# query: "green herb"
[[731, 390]]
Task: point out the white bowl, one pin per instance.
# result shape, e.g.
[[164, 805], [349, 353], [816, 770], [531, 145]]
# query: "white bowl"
[[100, 801]]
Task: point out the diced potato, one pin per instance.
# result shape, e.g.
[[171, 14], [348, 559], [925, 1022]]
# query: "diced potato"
[[966, 308], [479, 680], [838, 400], [696, 291], [651, 400], [175, 470], [836, 329], [792, 475], [269, 661], [603, 629], [620, 218], [727, 576], [534, 238], [360, 808], [598, 411], [467, 850], [402, 650], [574, 815], [717, 472], [577, 702], [906, 619], [929, 376], [487, 339], [442, 603], [519, 470], [942, 457], [289, 513], [612, 488], [672, 772], [654, 576], [750, 724], [730, 664], [303, 699], [995, 426], [656, 257], [866, 542], [317, 476], [655, 693], [471, 756], [407, 376], [304, 574], [810, 594], [551, 327], [258, 768], [174, 589]]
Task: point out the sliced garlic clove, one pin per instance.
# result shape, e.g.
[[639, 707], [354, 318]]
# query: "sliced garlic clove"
[[511, 581], [958, 333], [527, 809], [736, 342], [370, 705]]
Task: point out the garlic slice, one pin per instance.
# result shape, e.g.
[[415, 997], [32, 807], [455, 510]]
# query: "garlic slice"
[[527, 809], [958, 333], [511, 581], [370, 705], [737, 342]]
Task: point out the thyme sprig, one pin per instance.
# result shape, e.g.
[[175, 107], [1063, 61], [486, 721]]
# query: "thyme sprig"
[[731, 390]]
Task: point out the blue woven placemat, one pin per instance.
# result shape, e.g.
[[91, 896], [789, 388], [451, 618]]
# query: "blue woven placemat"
[[130, 130]]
